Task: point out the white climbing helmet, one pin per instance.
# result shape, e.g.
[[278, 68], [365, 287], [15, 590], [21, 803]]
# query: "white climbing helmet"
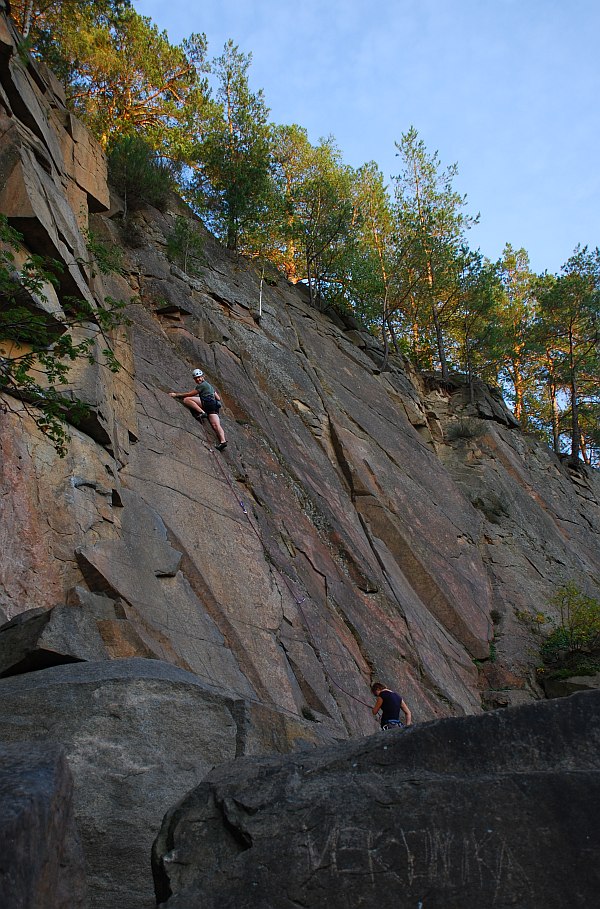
[[197, 373]]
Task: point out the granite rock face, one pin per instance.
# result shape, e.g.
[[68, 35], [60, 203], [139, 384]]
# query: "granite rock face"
[[41, 861], [153, 590], [47, 637], [348, 532], [454, 813]]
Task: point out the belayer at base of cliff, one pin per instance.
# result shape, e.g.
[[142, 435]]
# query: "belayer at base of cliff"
[[390, 703]]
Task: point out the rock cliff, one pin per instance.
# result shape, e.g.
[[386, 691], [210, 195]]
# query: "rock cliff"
[[362, 522]]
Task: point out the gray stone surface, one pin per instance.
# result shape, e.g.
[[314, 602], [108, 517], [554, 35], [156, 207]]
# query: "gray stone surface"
[[561, 688], [138, 735], [41, 860], [499, 810], [47, 637]]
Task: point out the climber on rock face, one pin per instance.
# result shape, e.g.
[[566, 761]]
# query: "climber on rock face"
[[390, 703], [204, 401]]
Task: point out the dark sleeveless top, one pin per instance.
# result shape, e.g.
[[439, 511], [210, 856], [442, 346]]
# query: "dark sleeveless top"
[[390, 709]]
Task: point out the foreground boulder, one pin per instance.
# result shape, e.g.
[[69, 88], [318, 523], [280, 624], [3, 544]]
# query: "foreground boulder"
[[138, 735], [41, 862], [457, 813]]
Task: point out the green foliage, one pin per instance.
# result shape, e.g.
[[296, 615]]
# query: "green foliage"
[[185, 246], [511, 343], [122, 75], [465, 428], [138, 174], [570, 328], [233, 154], [535, 622], [577, 634], [44, 25], [291, 151], [316, 207], [53, 29], [432, 223], [108, 259], [131, 231], [374, 285], [36, 350]]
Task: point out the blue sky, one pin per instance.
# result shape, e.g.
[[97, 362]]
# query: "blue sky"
[[508, 89]]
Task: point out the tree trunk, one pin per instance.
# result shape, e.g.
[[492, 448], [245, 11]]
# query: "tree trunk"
[[311, 295], [27, 16], [393, 335], [519, 389], [289, 264], [415, 342], [289, 261], [575, 433], [469, 371], [440, 342], [384, 334], [439, 335], [555, 418], [386, 346]]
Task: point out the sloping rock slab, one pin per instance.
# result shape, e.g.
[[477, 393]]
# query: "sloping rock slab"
[[41, 862], [457, 813]]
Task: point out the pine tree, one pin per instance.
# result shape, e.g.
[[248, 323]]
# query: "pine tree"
[[570, 314], [122, 75], [514, 337], [433, 225], [379, 274], [322, 210], [474, 319], [292, 157], [233, 157]]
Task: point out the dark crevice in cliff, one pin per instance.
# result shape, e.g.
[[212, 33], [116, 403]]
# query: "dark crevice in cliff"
[[39, 660], [312, 699]]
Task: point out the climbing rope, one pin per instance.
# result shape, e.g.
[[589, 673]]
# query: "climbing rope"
[[298, 600]]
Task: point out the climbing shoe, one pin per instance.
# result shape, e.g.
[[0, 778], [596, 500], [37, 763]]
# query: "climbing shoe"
[[221, 446], [200, 416]]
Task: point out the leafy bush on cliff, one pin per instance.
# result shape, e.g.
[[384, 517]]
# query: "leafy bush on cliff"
[[138, 174], [185, 247], [573, 646], [37, 347]]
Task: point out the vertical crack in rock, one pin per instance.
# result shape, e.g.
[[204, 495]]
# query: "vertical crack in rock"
[[213, 608]]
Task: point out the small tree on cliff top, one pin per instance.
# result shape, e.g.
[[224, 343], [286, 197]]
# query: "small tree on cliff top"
[[433, 222], [233, 156]]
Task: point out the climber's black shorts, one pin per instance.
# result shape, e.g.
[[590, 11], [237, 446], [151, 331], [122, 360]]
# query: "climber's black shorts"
[[210, 405]]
